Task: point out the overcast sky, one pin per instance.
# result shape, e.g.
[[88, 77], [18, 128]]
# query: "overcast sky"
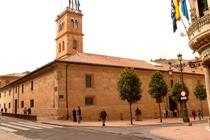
[[138, 29]]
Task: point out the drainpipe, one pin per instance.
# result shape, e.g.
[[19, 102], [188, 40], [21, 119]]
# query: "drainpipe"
[[67, 106]]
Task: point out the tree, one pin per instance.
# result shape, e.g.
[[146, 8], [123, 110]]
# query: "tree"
[[200, 93], [158, 88], [129, 87], [176, 91]]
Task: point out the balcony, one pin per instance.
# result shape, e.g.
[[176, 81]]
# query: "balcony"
[[199, 34]]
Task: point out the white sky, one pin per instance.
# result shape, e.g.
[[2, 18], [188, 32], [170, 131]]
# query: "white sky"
[[138, 29]]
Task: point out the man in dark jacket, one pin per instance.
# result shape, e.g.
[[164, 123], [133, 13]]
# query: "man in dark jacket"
[[103, 116]]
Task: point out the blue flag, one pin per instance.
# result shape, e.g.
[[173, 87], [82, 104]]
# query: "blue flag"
[[184, 9], [173, 16]]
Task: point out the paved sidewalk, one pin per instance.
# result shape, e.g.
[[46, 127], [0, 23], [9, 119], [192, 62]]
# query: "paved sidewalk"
[[198, 131]]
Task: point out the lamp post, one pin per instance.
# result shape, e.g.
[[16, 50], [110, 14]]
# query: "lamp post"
[[183, 93], [183, 96]]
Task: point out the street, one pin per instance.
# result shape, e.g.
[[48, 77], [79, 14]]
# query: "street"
[[33, 130]]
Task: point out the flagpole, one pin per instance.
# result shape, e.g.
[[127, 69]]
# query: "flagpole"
[[185, 27]]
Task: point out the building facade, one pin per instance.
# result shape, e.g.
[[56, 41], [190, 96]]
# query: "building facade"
[[76, 78], [199, 37]]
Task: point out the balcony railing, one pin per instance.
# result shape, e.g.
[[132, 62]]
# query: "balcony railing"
[[198, 24]]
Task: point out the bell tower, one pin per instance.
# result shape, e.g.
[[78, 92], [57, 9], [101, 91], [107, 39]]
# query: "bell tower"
[[69, 38]]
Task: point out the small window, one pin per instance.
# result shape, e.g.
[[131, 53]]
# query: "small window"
[[32, 103], [22, 88], [59, 49], [32, 85], [72, 23], [74, 44], [76, 24], [88, 81], [0, 95], [61, 96], [22, 104], [172, 83], [63, 46], [89, 101], [9, 105]]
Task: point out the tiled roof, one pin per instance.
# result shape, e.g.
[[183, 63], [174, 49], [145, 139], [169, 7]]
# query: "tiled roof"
[[87, 58], [14, 75]]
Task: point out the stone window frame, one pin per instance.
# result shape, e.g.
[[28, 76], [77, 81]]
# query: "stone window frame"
[[89, 100], [32, 85], [75, 43], [88, 80], [32, 103], [63, 45], [22, 104]]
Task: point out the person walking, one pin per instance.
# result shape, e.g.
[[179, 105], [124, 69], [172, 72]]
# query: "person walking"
[[193, 114], [74, 114], [103, 116], [137, 114], [78, 114]]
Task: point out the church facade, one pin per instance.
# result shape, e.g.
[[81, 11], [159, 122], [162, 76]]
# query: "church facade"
[[76, 78]]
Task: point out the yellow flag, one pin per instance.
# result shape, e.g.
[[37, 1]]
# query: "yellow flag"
[[177, 12]]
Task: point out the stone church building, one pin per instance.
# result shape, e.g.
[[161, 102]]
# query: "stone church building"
[[76, 78]]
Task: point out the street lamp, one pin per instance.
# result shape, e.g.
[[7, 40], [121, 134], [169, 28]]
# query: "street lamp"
[[183, 93], [183, 96]]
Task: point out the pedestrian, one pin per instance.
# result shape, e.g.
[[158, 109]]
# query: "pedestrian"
[[78, 114], [137, 114], [199, 114], [25, 110], [175, 112], [193, 114], [74, 114], [103, 116], [29, 111]]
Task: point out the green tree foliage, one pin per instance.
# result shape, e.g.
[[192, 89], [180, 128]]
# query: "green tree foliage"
[[129, 87], [176, 90], [200, 93], [158, 88]]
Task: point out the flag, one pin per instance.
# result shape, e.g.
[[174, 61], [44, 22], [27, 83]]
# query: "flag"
[[177, 12], [173, 16], [184, 9]]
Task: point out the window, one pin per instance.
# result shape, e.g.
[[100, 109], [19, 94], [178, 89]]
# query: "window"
[[22, 104], [0, 95], [61, 26], [59, 49], [88, 81], [22, 88], [61, 96], [0, 84], [32, 103], [89, 101], [32, 85], [72, 23], [76, 24], [74, 44], [172, 83], [9, 105], [63, 46]]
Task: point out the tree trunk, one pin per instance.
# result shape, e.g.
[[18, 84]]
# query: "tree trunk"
[[131, 116], [160, 112]]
